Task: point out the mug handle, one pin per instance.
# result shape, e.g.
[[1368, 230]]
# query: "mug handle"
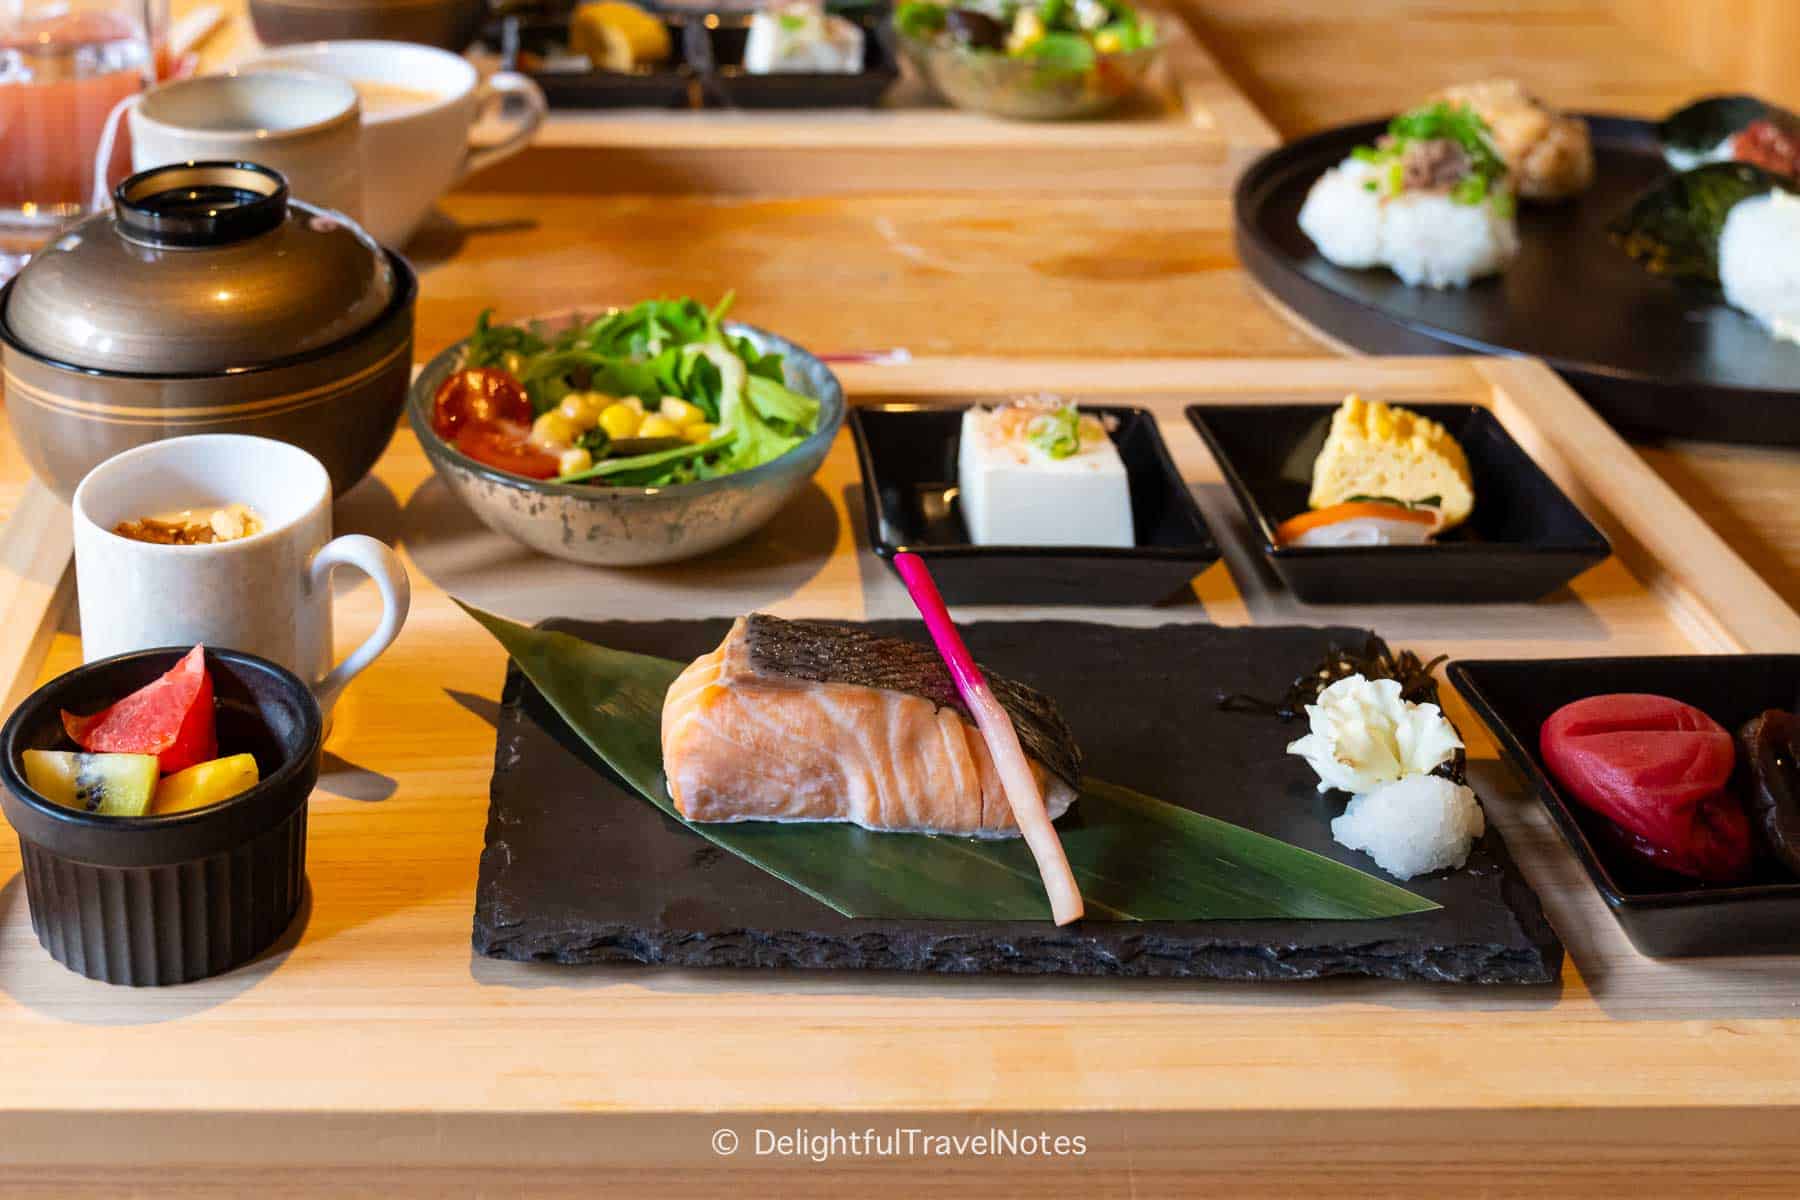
[[103, 155], [381, 564], [493, 93]]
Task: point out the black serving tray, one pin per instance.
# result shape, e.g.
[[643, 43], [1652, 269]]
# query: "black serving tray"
[[1652, 356], [667, 86], [908, 460], [715, 51], [1524, 540], [1664, 915], [579, 869]]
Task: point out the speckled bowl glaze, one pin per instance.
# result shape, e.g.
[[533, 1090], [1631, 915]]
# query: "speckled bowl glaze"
[[633, 526]]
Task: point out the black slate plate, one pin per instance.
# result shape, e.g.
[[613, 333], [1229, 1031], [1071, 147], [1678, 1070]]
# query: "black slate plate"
[[908, 460], [1524, 539], [1664, 915], [1651, 356], [715, 50], [667, 86], [580, 869]]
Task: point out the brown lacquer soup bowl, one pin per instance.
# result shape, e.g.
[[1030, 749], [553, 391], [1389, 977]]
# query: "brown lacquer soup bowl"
[[207, 301]]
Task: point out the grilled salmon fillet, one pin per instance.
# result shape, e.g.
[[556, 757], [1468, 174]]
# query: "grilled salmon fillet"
[[809, 721]]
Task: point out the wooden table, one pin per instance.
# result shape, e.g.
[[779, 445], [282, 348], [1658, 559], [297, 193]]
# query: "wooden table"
[[396, 1054]]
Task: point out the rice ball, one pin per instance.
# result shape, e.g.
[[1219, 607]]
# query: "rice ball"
[[1759, 261], [1424, 237], [1413, 826]]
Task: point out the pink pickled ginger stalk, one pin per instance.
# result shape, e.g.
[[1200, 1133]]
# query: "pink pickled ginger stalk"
[[1016, 776]]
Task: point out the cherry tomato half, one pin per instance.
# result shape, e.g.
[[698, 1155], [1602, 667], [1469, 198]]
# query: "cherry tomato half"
[[478, 396], [506, 445]]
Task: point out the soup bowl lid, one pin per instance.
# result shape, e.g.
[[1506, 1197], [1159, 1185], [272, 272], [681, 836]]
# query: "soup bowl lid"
[[200, 268]]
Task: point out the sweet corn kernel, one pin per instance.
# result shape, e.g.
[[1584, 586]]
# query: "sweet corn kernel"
[[698, 433], [573, 460], [1108, 41], [553, 430], [658, 426], [1027, 31], [680, 411], [620, 420], [582, 409]]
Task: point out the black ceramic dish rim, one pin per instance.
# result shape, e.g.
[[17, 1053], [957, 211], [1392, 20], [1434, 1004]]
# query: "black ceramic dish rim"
[[1597, 548], [237, 820], [1261, 256], [677, 69], [1460, 675], [400, 306], [1205, 553], [443, 455]]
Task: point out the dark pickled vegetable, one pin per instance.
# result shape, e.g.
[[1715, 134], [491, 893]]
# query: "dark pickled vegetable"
[[974, 29], [1375, 660], [1770, 750]]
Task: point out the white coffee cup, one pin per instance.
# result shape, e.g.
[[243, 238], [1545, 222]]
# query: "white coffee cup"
[[417, 147], [267, 594], [307, 126]]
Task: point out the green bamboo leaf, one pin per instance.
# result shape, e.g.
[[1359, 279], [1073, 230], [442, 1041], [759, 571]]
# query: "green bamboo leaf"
[[1137, 858]]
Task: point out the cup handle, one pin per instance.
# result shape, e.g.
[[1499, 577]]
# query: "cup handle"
[[493, 93], [382, 565], [103, 155]]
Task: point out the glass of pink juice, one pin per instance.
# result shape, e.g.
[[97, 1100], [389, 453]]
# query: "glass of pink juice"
[[62, 69]]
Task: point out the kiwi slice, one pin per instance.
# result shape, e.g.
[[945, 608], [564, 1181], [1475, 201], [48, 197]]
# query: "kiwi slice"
[[111, 785]]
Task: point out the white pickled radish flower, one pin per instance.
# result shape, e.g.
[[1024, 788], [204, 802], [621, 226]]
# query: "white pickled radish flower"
[[1364, 735]]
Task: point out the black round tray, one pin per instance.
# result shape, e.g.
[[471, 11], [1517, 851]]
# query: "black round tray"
[[1652, 356]]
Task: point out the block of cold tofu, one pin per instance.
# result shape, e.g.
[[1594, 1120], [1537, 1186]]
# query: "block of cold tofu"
[[1035, 476], [803, 39]]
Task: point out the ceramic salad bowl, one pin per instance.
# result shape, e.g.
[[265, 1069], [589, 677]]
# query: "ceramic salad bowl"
[[626, 526]]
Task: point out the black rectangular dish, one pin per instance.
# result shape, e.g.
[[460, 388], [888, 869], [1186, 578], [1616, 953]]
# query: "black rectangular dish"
[[578, 868], [908, 460], [523, 42], [715, 52], [1664, 915], [1524, 540]]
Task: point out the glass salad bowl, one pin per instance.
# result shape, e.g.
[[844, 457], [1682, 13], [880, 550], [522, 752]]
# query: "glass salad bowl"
[[623, 526], [1028, 89]]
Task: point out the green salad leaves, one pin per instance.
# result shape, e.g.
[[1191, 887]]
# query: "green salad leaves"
[[652, 350], [1485, 179]]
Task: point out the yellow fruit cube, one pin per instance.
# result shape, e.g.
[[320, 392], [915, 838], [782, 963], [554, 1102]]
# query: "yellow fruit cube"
[[658, 426], [1108, 41], [206, 784], [699, 434]]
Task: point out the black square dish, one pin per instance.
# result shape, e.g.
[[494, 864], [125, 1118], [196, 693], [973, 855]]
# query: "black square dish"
[[715, 50], [908, 459], [1524, 540], [1664, 915], [524, 43]]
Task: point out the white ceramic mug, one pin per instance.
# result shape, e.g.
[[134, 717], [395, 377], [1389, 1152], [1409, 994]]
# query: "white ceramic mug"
[[419, 105], [268, 594], [307, 126]]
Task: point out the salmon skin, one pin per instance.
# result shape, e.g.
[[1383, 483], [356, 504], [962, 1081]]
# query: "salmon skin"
[[812, 721]]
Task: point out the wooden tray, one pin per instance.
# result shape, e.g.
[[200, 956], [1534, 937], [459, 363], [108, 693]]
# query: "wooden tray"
[[1193, 129], [372, 1038]]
